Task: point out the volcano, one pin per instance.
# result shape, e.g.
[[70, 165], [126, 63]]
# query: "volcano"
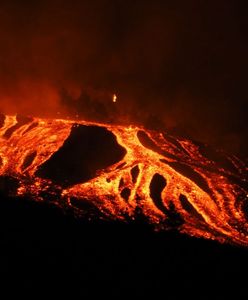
[[120, 173]]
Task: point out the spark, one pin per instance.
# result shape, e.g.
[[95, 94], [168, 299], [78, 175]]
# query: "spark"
[[114, 98]]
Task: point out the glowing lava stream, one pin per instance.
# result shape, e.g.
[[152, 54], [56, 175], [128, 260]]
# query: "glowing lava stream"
[[172, 182]]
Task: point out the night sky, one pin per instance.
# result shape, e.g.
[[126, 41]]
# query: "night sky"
[[179, 64]]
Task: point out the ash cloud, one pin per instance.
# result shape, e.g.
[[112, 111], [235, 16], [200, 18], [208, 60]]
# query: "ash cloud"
[[180, 65]]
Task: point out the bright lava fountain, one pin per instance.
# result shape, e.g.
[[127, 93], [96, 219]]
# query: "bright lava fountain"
[[120, 173]]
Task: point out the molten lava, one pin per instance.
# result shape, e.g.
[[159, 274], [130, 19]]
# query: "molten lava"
[[121, 172]]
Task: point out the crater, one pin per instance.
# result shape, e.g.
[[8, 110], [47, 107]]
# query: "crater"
[[86, 150]]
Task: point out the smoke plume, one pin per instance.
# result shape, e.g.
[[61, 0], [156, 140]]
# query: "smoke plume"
[[175, 64]]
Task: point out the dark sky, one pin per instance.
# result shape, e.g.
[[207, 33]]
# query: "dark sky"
[[181, 64]]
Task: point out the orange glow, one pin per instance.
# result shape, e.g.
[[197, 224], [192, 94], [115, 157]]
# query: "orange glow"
[[203, 194]]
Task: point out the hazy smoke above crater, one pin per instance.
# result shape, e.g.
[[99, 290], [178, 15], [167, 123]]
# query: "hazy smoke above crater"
[[180, 65]]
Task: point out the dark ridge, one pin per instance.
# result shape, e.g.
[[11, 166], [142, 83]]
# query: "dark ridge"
[[121, 183], [174, 220], [28, 160], [41, 245], [8, 133], [137, 197], [241, 204], [51, 195], [8, 186], [85, 206], [188, 207], [240, 227], [244, 207], [241, 182], [125, 193], [121, 166], [165, 161], [216, 156], [87, 150], [188, 172], [226, 200], [135, 173], [2, 120], [148, 143], [157, 185], [240, 163], [175, 143], [30, 127], [21, 120]]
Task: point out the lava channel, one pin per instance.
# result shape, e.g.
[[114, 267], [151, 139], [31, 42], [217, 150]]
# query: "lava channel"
[[119, 173]]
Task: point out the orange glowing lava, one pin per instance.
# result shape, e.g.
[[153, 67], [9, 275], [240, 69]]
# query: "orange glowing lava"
[[123, 171]]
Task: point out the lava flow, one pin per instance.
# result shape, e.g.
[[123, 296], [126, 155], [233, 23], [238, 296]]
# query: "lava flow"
[[120, 173]]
